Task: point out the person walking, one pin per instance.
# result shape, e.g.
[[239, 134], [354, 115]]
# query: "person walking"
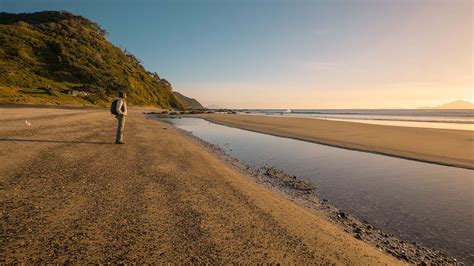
[[121, 116]]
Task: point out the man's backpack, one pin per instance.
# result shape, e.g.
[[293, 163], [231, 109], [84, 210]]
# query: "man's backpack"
[[113, 108]]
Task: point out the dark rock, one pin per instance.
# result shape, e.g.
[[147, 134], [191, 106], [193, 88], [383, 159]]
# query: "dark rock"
[[403, 257], [286, 180], [341, 214]]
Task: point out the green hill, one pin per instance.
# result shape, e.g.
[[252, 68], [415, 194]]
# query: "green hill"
[[193, 103], [58, 57]]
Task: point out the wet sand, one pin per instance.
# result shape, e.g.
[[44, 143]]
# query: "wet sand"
[[69, 195], [441, 146]]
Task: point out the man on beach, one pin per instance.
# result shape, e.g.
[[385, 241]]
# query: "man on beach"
[[122, 114]]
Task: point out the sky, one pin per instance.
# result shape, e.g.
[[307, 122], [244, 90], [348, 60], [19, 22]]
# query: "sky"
[[293, 53]]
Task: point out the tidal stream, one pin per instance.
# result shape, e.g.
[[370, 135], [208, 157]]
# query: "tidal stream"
[[427, 203]]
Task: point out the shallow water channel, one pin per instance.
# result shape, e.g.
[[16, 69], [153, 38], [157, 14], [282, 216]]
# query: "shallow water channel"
[[427, 203]]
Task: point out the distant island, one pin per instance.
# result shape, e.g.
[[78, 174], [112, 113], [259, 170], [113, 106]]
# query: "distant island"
[[460, 104]]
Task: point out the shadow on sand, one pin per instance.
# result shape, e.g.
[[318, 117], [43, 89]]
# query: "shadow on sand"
[[57, 141]]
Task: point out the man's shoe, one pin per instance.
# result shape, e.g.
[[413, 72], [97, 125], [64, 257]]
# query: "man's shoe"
[[120, 142]]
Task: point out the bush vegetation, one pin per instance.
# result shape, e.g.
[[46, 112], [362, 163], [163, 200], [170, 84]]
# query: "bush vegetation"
[[60, 51]]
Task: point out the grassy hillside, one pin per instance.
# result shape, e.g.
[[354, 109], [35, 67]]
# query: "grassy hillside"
[[58, 57], [191, 102]]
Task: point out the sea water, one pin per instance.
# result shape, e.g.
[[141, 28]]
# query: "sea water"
[[459, 119]]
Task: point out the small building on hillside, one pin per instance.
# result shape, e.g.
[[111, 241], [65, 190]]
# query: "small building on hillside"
[[77, 92]]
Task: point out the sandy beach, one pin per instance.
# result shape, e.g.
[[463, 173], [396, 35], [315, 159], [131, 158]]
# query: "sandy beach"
[[70, 195], [248, 133], [442, 146]]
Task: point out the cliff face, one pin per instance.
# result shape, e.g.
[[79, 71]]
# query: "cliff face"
[[61, 53]]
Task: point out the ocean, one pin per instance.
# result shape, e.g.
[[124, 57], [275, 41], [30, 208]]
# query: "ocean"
[[459, 119]]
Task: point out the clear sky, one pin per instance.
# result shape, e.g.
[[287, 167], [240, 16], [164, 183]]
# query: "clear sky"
[[294, 54]]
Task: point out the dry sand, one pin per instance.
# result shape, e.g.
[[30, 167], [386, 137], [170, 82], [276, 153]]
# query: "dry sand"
[[442, 146], [69, 195]]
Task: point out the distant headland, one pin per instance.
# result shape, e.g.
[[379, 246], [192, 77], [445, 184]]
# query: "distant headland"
[[459, 104]]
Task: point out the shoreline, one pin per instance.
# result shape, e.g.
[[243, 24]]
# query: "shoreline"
[[463, 138], [305, 194]]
